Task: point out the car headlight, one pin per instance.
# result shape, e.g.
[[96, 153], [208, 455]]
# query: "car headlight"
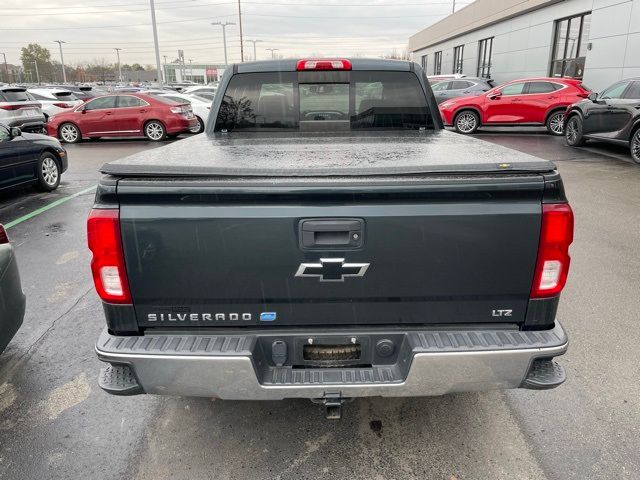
[[447, 105]]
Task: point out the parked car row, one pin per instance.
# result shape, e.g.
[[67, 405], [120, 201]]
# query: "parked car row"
[[124, 115], [565, 106]]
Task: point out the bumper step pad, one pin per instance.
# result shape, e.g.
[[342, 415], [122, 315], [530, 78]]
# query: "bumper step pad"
[[544, 374], [119, 380]]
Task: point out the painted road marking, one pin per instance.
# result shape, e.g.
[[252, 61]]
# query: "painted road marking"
[[48, 207]]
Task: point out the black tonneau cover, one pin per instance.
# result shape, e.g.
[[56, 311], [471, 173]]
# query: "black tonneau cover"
[[309, 155]]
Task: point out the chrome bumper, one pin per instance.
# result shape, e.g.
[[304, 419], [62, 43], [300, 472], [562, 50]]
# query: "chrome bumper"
[[429, 362]]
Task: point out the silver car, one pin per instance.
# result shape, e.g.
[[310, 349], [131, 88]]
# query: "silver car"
[[18, 110], [12, 301], [461, 87]]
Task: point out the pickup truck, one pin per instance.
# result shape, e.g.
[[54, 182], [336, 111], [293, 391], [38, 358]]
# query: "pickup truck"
[[327, 239]]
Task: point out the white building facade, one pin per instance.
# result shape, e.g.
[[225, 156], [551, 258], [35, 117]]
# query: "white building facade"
[[595, 40]]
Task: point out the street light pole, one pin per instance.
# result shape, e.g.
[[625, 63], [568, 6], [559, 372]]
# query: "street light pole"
[[155, 42], [453, 10], [119, 67], [273, 51], [240, 22], [164, 69], [255, 55], [6, 68], [224, 37], [35, 62], [190, 70], [64, 74]]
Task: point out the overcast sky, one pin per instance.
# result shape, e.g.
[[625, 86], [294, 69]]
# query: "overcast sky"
[[92, 28]]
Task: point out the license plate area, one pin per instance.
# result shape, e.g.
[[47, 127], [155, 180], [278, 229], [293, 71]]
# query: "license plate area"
[[331, 351]]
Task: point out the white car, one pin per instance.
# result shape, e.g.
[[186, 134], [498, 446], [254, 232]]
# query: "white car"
[[54, 100], [205, 91], [200, 106]]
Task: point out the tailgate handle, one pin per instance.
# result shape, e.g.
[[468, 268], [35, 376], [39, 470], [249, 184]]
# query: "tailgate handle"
[[331, 233]]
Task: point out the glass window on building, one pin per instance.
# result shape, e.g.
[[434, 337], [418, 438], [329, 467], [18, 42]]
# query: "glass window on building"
[[570, 43], [437, 63], [458, 53], [485, 48], [424, 62]]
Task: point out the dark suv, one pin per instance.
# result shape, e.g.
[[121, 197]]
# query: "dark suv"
[[18, 110], [612, 116]]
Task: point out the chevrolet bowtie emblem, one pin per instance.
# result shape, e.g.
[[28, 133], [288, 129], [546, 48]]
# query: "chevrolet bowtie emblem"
[[332, 270]]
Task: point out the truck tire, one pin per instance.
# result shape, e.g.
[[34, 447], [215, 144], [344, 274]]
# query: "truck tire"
[[69, 133], [466, 122], [154, 130], [48, 172], [555, 123], [573, 133], [635, 146]]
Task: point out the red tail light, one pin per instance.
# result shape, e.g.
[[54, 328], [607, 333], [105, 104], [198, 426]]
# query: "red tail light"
[[323, 64], [64, 105], [552, 266], [18, 107], [4, 238], [107, 265]]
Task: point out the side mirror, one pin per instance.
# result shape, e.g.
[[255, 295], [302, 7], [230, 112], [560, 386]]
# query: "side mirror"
[[495, 95], [15, 132], [593, 96]]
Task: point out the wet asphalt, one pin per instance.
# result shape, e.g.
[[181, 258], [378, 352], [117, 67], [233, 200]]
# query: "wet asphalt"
[[56, 423]]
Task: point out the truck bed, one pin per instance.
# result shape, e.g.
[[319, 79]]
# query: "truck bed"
[[314, 155]]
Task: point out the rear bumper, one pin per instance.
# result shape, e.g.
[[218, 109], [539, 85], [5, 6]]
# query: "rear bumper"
[[179, 124], [236, 367], [31, 124]]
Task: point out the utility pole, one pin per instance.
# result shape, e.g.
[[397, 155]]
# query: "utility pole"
[[6, 68], [224, 37], [453, 10], [190, 70], [273, 51], [155, 42], [240, 22], [164, 69], [64, 74], [119, 67], [37, 72], [255, 55]]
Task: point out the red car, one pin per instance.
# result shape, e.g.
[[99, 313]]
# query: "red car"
[[529, 102], [123, 115]]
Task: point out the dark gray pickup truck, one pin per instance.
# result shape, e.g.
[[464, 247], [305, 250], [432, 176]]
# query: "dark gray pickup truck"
[[327, 239]]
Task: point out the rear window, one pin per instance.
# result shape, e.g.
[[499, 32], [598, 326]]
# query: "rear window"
[[66, 96], [324, 101], [13, 96]]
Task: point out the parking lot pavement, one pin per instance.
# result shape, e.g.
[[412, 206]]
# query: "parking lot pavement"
[[56, 423]]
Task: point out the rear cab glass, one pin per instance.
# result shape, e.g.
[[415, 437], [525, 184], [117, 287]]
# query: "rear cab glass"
[[324, 101]]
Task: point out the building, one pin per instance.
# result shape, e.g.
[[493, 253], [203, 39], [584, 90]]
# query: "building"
[[196, 72], [594, 40]]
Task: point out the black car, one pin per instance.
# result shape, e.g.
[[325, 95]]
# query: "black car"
[[612, 116], [27, 158]]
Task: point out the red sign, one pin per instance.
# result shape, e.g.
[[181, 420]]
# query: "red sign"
[[212, 72]]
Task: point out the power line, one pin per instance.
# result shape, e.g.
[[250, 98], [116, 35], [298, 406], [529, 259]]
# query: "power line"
[[96, 27], [287, 4]]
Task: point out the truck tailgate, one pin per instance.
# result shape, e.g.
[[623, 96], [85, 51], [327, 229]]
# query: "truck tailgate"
[[403, 250]]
